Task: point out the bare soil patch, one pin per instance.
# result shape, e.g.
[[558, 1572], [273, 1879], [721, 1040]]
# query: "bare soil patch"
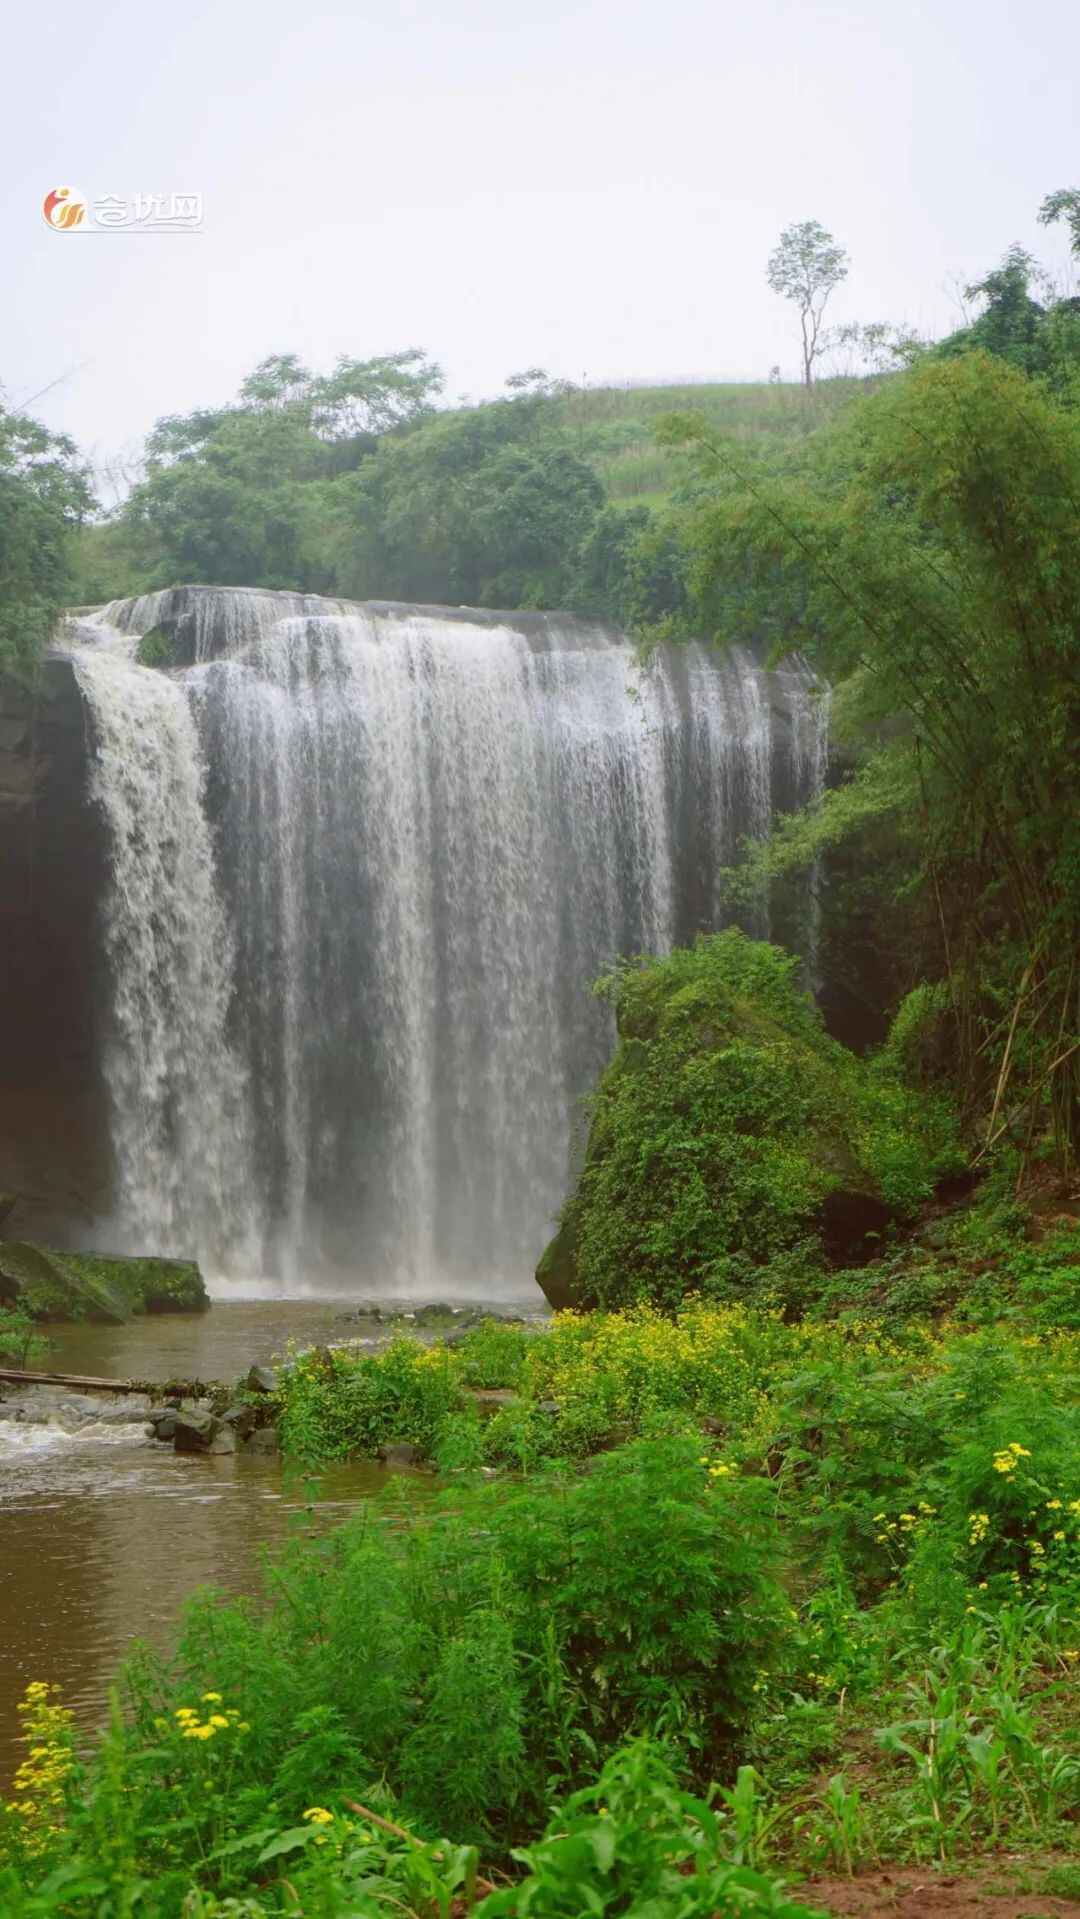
[[918, 1892]]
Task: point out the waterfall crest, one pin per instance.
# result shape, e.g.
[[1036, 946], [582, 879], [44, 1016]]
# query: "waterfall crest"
[[367, 861]]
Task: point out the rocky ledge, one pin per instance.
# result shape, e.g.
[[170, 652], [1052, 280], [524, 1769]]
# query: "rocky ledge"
[[51, 1285]]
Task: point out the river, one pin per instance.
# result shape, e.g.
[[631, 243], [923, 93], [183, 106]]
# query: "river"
[[104, 1532]]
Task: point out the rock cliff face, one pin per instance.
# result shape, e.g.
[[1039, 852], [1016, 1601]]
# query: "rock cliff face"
[[53, 1130]]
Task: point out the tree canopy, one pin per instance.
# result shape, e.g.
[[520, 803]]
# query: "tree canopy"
[[44, 496]]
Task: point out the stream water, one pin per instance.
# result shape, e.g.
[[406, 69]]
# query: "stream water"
[[104, 1532]]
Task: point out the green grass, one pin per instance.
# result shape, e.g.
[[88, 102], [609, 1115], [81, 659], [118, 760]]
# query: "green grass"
[[613, 427]]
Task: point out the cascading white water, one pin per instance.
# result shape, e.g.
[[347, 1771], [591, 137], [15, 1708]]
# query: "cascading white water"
[[367, 862], [177, 1090]]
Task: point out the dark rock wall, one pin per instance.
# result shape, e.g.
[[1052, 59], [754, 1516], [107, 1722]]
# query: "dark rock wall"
[[53, 1132]]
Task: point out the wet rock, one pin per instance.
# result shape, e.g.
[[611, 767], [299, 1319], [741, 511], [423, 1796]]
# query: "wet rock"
[[262, 1442], [163, 1424], [261, 1379], [492, 1399], [556, 1275], [195, 1430], [240, 1418], [97, 1286], [401, 1452]]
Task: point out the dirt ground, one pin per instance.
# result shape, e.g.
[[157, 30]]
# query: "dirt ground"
[[917, 1892]]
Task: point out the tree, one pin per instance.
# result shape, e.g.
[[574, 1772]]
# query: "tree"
[[375, 396], [238, 495], [805, 268], [1063, 205], [1009, 322], [44, 497]]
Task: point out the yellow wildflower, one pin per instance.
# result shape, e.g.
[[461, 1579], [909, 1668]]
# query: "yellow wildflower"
[[318, 1816]]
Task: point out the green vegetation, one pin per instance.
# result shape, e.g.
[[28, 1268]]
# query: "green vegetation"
[[155, 648], [44, 498], [921, 555], [817, 1607], [21, 1339], [730, 1129], [548, 496]]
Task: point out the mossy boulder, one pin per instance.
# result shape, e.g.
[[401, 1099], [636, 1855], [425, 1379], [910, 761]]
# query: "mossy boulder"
[[157, 647], [730, 1130], [103, 1286]]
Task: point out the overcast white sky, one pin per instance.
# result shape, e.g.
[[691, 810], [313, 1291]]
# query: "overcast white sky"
[[592, 188]]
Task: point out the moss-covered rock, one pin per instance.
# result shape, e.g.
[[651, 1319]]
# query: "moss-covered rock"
[[728, 1130], [103, 1286], [157, 647]]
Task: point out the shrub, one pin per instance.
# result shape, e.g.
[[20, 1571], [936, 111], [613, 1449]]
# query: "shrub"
[[336, 1402], [726, 1128], [634, 1842]]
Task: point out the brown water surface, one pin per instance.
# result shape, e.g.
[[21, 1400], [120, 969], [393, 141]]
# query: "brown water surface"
[[104, 1532]]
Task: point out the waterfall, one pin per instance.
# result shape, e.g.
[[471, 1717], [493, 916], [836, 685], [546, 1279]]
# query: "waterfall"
[[367, 862], [177, 1091]]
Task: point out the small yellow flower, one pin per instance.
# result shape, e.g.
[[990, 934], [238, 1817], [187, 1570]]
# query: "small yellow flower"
[[1020, 1451], [212, 1698], [1059, 1534], [318, 1816], [1053, 1505]]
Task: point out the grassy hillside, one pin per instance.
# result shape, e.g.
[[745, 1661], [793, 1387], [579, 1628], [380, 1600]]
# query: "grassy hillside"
[[613, 427]]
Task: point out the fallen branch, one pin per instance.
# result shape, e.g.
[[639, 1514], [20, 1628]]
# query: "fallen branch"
[[188, 1388]]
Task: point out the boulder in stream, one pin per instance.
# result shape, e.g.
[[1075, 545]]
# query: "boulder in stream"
[[199, 1431], [400, 1452], [53, 1285]]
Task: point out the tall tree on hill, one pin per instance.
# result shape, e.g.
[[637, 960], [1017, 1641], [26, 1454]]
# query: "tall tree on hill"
[[805, 268]]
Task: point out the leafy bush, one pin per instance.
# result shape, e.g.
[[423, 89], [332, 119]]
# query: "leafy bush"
[[724, 1127], [336, 1402], [21, 1339], [634, 1842], [466, 1654]]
